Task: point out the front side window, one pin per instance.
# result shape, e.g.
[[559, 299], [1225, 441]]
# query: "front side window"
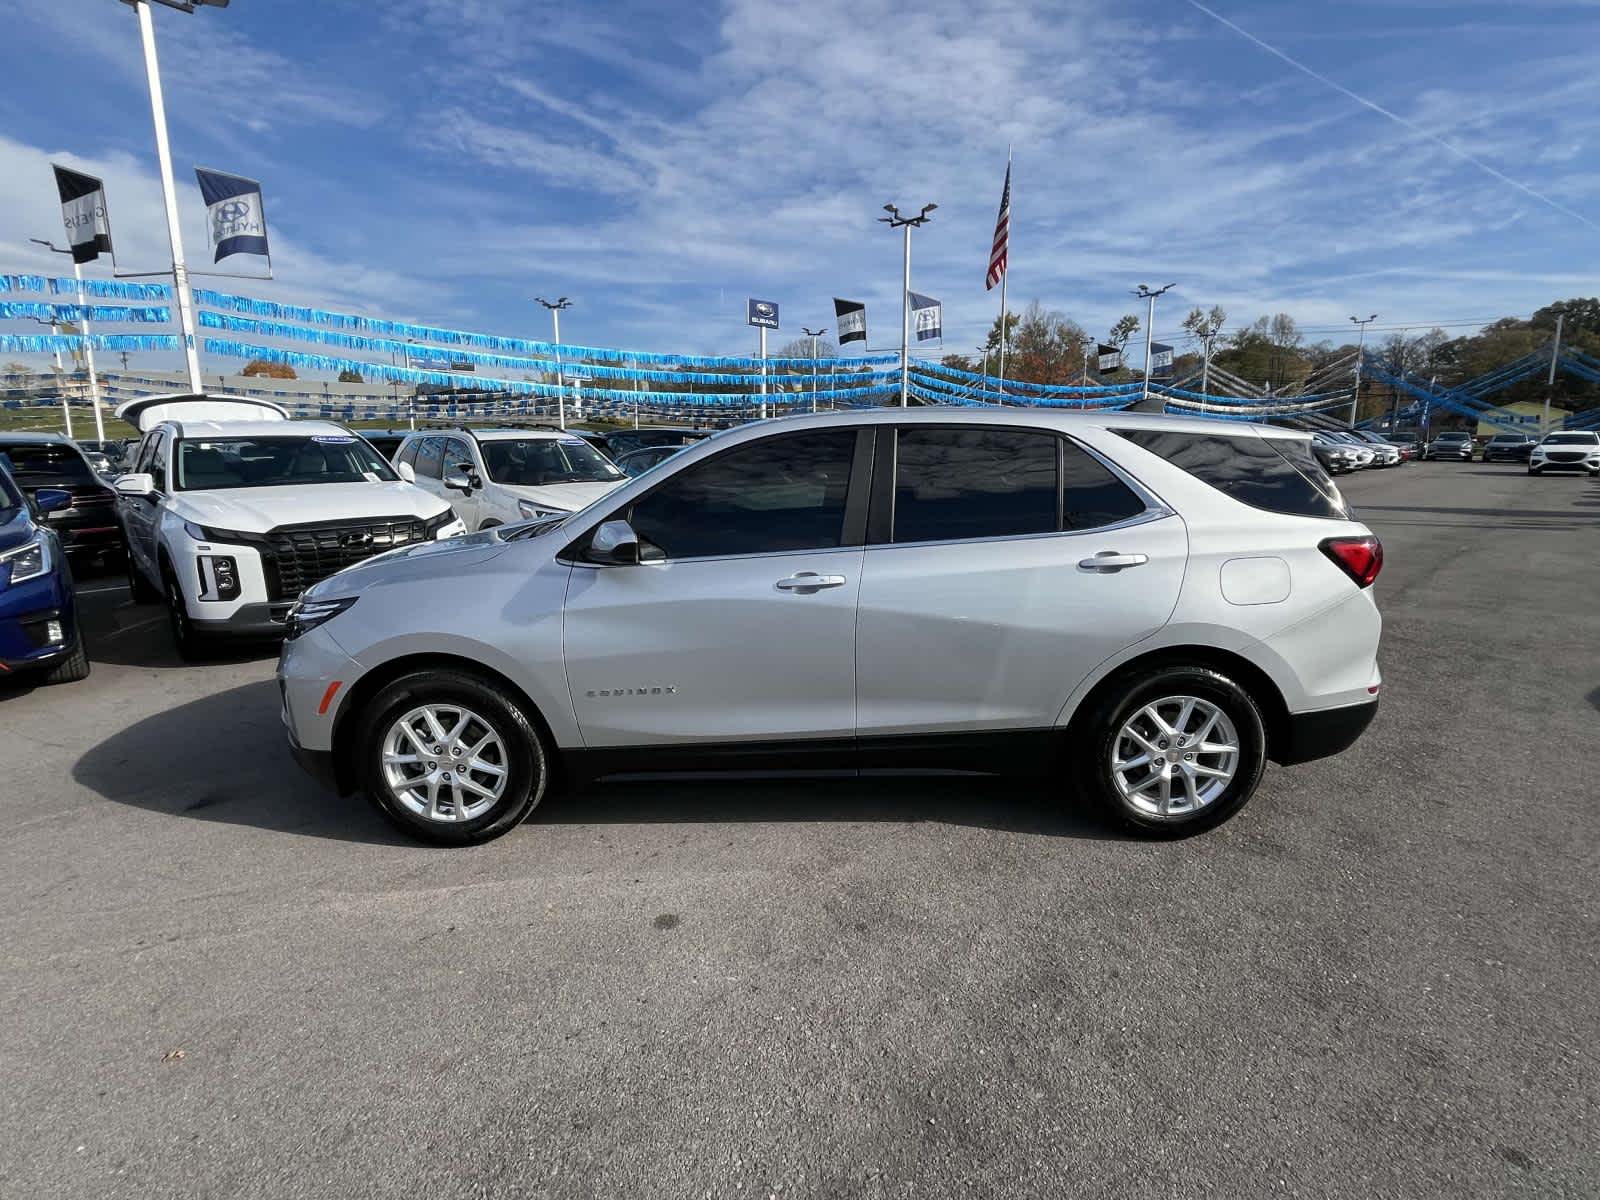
[[157, 468], [457, 457], [1277, 474], [408, 451], [781, 493], [540, 462], [46, 464], [205, 464], [973, 483], [430, 458]]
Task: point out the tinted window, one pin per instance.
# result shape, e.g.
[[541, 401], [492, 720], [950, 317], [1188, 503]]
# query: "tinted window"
[[457, 457], [430, 457], [43, 464], [10, 498], [158, 462], [780, 493], [408, 455], [972, 483], [1278, 474], [1094, 496], [1571, 439]]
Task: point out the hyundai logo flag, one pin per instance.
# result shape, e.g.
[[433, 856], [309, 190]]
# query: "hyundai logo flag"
[[850, 317], [928, 315], [1109, 358], [234, 216], [763, 313], [1160, 361], [83, 212]]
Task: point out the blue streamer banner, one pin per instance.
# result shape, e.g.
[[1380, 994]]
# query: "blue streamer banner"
[[108, 289], [69, 343], [492, 342], [14, 310]]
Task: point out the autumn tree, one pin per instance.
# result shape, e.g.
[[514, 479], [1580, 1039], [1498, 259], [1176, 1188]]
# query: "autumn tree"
[[268, 370]]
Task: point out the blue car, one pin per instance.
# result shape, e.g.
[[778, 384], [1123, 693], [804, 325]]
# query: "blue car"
[[39, 634]]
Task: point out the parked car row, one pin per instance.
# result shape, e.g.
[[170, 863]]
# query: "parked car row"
[[1558, 450], [1340, 451]]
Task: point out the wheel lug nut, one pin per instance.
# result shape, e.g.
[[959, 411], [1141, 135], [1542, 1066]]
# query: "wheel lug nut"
[[433, 766], [447, 776], [1188, 758], [1162, 744]]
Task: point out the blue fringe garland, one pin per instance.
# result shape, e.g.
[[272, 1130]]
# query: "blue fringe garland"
[[20, 309], [109, 289], [69, 343]]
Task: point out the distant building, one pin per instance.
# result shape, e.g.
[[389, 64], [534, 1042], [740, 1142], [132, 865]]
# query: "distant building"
[[1524, 414]]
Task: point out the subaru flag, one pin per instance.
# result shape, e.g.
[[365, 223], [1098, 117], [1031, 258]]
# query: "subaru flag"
[[928, 315], [234, 216], [83, 212], [761, 312], [1160, 361], [851, 318], [1109, 358]]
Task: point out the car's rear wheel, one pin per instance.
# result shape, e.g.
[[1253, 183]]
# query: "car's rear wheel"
[[1173, 751], [449, 758]]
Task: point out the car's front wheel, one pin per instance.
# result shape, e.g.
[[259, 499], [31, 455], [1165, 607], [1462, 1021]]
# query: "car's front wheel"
[[190, 644], [1173, 751], [449, 758]]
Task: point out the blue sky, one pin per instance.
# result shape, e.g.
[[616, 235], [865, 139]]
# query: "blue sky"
[[446, 160]]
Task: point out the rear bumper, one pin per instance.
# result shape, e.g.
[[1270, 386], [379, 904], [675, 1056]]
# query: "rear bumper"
[[1314, 735]]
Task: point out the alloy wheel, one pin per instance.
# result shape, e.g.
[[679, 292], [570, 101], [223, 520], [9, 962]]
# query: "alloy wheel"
[[444, 763], [1174, 756]]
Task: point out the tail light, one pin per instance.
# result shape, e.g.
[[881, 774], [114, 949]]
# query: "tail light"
[[1361, 558]]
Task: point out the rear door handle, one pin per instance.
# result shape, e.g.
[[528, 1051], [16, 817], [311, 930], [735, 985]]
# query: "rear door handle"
[[1108, 561], [809, 581]]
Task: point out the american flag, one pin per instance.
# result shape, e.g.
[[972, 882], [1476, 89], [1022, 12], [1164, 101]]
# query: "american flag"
[[1002, 234]]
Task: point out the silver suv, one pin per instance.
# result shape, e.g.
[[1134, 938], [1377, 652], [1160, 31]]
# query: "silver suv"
[[1140, 609]]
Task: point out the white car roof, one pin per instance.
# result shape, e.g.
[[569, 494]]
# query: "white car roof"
[[497, 435], [1043, 418]]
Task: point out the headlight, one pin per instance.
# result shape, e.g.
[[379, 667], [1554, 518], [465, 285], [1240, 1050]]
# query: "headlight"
[[29, 561], [534, 512], [306, 615], [441, 526]]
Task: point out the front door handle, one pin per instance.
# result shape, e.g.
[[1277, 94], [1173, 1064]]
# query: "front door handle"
[[809, 581], [1108, 561]]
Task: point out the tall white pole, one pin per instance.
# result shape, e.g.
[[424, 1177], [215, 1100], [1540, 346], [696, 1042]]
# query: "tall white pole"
[[180, 271], [66, 411], [1149, 343], [1205, 375], [813, 372], [1001, 376], [763, 329], [561, 394], [88, 357], [1550, 383], [1355, 399], [905, 321]]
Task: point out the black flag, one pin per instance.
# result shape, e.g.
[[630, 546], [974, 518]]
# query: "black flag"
[[83, 212], [850, 317], [1110, 357]]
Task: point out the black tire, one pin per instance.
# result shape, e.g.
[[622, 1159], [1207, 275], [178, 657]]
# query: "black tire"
[[74, 666], [138, 586], [1533, 470], [191, 646], [526, 758], [1097, 730]]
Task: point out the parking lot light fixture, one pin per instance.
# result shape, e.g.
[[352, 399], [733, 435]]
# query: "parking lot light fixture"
[[895, 221], [813, 334], [1361, 323], [555, 307], [1146, 293]]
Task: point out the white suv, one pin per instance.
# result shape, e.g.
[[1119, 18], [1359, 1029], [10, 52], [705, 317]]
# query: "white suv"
[[500, 476], [1145, 609], [1566, 450], [232, 510]]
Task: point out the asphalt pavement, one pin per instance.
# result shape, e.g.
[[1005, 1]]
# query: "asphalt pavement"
[[1380, 979]]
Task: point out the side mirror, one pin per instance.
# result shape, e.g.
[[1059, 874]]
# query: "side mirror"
[[458, 482], [49, 500], [138, 484], [406, 472], [614, 544]]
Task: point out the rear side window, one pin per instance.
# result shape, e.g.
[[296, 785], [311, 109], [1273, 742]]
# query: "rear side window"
[[973, 483], [1279, 475], [1094, 496]]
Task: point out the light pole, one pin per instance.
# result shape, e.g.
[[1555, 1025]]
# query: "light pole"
[[158, 113], [1550, 383], [555, 307], [88, 345], [814, 334], [1361, 344], [895, 221], [1145, 293], [66, 412]]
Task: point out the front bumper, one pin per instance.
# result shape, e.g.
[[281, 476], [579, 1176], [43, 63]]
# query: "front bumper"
[[319, 764], [248, 620], [1314, 735], [1580, 464]]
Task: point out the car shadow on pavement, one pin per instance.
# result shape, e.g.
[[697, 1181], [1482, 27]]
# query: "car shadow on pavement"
[[223, 758]]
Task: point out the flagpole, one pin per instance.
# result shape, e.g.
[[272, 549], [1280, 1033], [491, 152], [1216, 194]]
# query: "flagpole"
[[1001, 385], [88, 355], [180, 270], [905, 322]]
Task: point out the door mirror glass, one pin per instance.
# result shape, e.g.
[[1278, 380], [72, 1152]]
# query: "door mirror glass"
[[49, 500], [405, 472], [614, 544], [138, 484]]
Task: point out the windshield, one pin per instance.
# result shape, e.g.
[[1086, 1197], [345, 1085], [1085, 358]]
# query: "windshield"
[[206, 464], [41, 464], [1452, 437], [539, 462], [10, 498], [1571, 439]]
